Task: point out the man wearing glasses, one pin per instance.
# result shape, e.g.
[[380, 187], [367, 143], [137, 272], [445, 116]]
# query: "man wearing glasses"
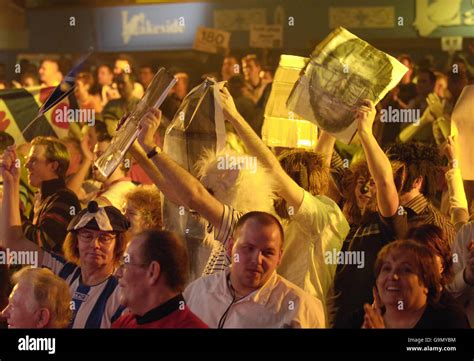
[[152, 276]]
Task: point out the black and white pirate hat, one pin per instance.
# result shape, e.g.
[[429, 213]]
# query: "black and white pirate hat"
[[107, 219]]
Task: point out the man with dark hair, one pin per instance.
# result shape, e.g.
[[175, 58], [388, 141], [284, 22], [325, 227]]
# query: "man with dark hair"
[[422, 164], [152, 276], [50, 72], [117, 108], [244, 104], [256, 88], [250, 294], [230, 67], [424, 86], [146, 74], [56, 205], [123, 65], [106, 86]]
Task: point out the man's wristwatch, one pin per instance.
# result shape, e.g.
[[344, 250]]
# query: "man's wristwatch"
[[156, 150]]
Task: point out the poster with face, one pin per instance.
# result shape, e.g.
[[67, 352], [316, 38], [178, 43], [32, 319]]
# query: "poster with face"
[[343, 70]]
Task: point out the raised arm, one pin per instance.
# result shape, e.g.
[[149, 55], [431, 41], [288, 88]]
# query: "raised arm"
[[325, 146], [457, 196], [11, 233], [147, 165], [76, 180], [191, 193], [286, 187], [379, 165]]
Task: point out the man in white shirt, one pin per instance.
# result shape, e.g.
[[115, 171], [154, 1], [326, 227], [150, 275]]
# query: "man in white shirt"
[[250, 294], [314, 224]]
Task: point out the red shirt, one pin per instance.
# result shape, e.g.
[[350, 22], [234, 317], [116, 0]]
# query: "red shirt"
[[138, 175], [172, 314]]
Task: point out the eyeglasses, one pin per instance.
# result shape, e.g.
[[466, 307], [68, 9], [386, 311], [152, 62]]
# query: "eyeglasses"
[[125, 263], [104, 238]]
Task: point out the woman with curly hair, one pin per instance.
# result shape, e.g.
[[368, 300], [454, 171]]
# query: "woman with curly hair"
[[372, 207], [143, 208]]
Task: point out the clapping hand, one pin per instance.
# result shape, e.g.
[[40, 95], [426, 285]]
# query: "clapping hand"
[[373, 313]]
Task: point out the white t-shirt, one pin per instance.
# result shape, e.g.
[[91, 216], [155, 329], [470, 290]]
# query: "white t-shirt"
[[318, 227]]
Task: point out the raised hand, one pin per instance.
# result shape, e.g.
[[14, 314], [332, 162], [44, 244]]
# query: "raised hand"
[[86, 147], [228, 105], [451, 149], [373, 313], [10, 166], [364, 116], [435, 105], [148, 126]]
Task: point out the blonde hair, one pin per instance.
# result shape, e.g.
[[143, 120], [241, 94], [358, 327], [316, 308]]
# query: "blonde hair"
[[49, 291], [55, 151], [71, 247], [147, 198], [241, 187]]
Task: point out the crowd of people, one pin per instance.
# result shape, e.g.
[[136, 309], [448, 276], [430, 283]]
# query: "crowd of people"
[[375, 235]]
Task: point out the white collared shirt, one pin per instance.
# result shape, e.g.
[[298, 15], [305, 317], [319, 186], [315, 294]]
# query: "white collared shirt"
[[277, 304]]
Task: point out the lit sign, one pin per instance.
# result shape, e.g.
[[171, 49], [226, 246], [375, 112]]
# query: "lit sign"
[[444, 17], [150, 27]]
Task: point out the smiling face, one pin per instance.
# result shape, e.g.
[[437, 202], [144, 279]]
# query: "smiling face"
[[255, 255], [365, 192], [399, 284]]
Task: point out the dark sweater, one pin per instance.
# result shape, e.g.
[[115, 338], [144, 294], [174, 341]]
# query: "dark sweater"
[[58, 205]]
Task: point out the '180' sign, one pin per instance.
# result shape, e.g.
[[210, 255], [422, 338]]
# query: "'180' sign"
[[211, 40]]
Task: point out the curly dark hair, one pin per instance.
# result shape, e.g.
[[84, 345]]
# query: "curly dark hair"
[[421, 160], [434, 238], [349, 182]]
